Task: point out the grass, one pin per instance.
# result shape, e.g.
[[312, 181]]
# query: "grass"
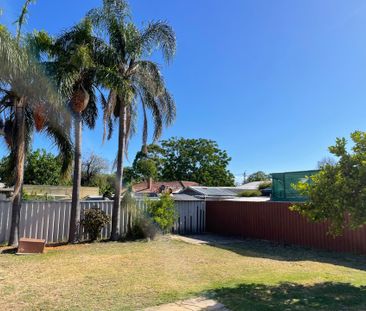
[[130, 276]]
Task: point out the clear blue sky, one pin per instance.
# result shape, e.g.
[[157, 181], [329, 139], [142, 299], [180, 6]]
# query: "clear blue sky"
[[273, 82]]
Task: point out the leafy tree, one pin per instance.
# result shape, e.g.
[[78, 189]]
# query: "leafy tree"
[[258, 176], [135, 80], [199, 160], [338, 192], [42, 168], [105, 183], [129, 176], [6, 170], [91, 167], [163, 212], [28, 101], [146, 168], [147, 163]]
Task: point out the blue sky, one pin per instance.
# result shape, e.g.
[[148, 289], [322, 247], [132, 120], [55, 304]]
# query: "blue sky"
[[273, 82]]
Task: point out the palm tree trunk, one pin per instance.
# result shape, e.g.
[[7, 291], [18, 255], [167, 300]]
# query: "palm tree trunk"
[[74, 233], [116, 215], [19, 150]]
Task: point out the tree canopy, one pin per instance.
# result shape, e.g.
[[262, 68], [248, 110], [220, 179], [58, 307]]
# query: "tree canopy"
[[92, 166], [199, 160], [338, 192], [41, 168], [258, 176]]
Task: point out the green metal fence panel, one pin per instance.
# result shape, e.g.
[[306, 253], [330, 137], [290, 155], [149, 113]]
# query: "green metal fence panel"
[[282, 189]]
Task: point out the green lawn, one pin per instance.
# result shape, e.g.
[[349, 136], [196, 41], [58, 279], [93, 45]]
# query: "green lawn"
[[130, 276]]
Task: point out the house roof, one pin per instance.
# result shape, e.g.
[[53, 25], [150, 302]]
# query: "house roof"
[[185, 197], [156, 186], [254, 185], [214, 191]]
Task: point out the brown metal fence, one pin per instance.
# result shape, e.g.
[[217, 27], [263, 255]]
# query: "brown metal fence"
[[273, 221]]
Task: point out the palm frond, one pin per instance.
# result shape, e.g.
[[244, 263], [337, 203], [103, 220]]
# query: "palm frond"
[[159, 35], [145, 127], [59, 132], [108, 109], [22, 18]]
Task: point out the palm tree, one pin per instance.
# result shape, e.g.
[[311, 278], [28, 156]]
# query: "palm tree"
[[136, 80], [71, 59], [28, 101]]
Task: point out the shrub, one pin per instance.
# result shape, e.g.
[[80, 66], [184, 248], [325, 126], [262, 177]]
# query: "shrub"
[[250, 193], [142, 228], [162, 212], [94, 221], [264, 185]]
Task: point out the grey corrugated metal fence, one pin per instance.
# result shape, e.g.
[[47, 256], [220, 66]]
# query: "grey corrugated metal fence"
[[50, 220]]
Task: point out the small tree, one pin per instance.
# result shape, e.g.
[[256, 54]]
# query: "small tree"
[[146, 168], [91, 167], [94, 221], [42, 168], [338, 192], [258, 176], [163, 212]]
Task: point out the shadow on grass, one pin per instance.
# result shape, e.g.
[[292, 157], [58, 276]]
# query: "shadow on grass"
[[8, 250], [284, 252], [290, 296]]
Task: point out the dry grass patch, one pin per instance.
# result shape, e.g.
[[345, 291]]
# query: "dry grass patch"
[[134, 275]]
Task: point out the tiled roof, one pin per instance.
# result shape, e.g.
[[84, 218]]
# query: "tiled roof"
[[156, 186]]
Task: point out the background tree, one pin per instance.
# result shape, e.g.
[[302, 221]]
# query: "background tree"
[[258, 176], [105, 183], [325, 161], [146, 168], [145, 165], [338, 192], [199, 160], [92, 166], [94, 174], [129, 176], [136, 80], [42, 168]]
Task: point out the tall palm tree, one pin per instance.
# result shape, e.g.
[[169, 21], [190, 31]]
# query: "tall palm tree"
[[71, 59], [29, 101], [136, 81]]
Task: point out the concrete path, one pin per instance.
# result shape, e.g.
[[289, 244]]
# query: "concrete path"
[[195, 304], [208, 239]]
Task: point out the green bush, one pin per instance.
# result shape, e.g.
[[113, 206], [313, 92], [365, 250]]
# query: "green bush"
[[162, 212], [250, 193], [264, 185], [94, 221]]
